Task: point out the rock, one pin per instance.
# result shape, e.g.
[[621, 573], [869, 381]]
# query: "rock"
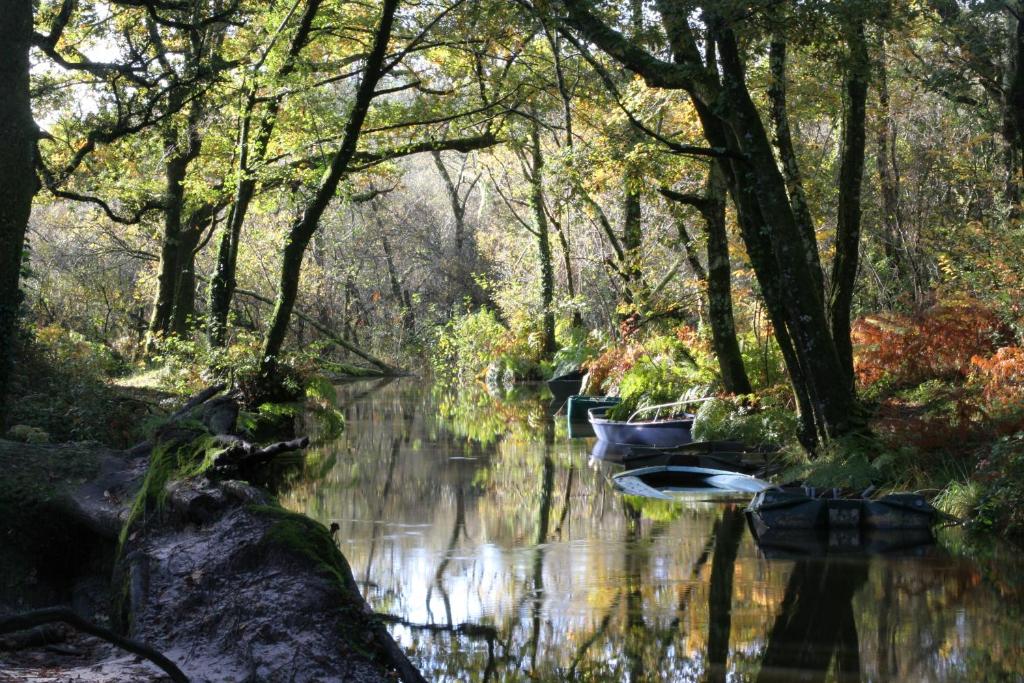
[[232, 590], [220, 415]]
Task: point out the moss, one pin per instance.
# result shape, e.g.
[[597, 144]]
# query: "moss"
[[169, 461], [309, 539]]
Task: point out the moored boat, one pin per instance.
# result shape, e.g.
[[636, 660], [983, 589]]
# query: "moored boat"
[[675, 430], [800, 508], [577, 406], [565, 385], [664, 482]]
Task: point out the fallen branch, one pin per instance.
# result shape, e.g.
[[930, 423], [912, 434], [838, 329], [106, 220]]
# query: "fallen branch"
[[27, 620], [327, 332], [197, 400], [240, 453], [464, 629]]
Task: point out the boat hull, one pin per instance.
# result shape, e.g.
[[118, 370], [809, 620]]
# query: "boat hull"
[[564, 386], [578, 407], [778, 509], [663, 434]]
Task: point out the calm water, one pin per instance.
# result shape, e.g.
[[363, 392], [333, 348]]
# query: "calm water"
[[507, 555]]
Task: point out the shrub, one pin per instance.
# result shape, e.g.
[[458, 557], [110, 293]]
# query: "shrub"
[[744, 419], [663, 370], [1002, 376], [938, 342], [75, 355], [468, 344], [1000, 475]]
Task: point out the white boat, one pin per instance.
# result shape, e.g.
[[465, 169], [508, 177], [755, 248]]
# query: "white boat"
[[665, 482]]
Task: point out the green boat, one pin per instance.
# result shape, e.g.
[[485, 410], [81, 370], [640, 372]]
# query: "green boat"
[[577, 406]]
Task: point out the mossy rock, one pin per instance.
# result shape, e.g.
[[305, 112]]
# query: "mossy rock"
[[28, 434], [308, 538]]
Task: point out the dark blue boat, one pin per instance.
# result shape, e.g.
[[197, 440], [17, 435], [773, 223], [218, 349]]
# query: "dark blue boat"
[[564, 386], [658, 432]]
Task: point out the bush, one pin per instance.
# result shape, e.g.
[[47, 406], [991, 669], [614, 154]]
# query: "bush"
[[60, 388], [75, 355], [662, 370], [744, 419], [1000, 475], [467, 345], [940, 342]]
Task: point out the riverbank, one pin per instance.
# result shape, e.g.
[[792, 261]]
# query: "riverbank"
[[207, 569]]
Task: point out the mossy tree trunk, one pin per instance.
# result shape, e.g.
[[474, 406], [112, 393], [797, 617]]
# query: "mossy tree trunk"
[[541, 232], [18, 182]]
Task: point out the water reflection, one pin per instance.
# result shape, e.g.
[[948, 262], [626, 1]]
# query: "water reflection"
[[503, 554]]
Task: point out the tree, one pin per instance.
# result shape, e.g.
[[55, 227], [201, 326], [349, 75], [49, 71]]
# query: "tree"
[[252, 146], [18, 182], [785, 264], [717, 276]]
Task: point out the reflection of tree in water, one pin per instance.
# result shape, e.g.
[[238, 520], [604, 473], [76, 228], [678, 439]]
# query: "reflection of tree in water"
[[815, 626], [729, 530], [663, 594]]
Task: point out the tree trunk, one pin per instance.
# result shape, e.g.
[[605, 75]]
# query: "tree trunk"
[[787, 156], [18, 182], [632, 237], [172, 247], [719, 274], [183, 314], [303, 229], [401, 297], [888, 181], [547, 272], [807, 325], [1013, 108], [224, 281], [851, 174], [570, 277]]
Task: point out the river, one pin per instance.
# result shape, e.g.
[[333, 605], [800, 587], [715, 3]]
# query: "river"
[[502, 553]]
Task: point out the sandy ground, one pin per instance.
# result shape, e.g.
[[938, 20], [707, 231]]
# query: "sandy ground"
[[81, 659]]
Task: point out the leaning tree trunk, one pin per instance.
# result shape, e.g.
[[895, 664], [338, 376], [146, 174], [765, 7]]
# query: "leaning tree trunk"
[[302, 231], [18, 182]]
